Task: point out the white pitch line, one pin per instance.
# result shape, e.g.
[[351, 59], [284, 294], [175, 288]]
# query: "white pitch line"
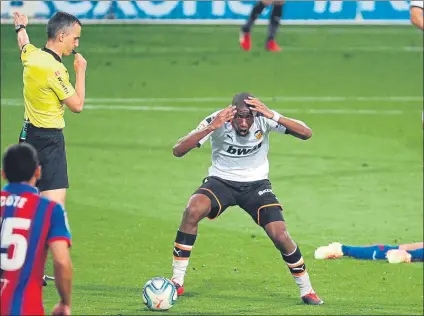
[[203, 50], [274, 99], [204, 109], [208, 109], [337, 30], [220, 22], [305, 99]]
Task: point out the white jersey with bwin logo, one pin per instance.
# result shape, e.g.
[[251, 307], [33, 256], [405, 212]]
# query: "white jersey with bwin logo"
[[240, 158]]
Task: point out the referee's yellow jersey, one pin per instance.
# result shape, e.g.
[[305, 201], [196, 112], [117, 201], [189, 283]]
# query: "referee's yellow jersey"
[[46, 84]]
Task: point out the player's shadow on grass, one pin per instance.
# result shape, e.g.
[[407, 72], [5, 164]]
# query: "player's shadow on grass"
[[107, 289], [146, 311], [190, 294], [274, 299]]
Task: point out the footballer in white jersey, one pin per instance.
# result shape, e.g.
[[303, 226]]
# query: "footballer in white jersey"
[[239, 135]]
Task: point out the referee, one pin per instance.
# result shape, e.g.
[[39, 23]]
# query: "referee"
[[46, 92]]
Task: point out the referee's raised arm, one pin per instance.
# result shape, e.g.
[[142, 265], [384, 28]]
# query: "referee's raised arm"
[[21, 21]]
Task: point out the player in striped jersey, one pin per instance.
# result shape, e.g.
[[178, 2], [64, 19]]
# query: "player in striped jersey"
[[393, 253], [30, 225]]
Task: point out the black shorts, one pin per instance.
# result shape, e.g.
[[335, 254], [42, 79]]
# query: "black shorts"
[[256, 198], [50, 146]]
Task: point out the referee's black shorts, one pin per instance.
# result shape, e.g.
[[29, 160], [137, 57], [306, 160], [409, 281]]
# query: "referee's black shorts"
[[50, 145]]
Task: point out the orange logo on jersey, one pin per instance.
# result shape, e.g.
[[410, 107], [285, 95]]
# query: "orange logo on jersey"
[[258, 134]]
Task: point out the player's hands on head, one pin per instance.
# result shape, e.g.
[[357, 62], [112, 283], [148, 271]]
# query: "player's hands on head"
[[225, 115], [19, 18], [61, 310], [80, 64], [258, 106]]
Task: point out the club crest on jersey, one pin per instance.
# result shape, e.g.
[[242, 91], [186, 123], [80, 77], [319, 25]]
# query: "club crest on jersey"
[[259, 134]]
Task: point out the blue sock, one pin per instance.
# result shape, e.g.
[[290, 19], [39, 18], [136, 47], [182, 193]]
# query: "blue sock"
[[377, 252], [417, 254]]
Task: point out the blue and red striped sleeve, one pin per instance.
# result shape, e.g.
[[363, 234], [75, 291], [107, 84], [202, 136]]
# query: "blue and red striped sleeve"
[[59, 227]]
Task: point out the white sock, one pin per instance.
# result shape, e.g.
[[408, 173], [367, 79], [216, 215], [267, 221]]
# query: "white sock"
[[303, 283], [182, 249], [297, 268], [179, 270]]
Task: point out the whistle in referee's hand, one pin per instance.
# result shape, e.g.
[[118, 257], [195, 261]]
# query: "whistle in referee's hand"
[[74, 52]]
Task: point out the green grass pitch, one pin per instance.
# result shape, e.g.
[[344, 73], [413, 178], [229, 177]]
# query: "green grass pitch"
[[358, 180]]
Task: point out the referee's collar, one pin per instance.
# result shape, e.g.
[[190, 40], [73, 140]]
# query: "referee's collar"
[[56, 56], [19, 188]]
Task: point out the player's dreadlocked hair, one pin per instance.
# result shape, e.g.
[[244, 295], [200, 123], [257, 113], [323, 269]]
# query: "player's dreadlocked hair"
[[238, 100]]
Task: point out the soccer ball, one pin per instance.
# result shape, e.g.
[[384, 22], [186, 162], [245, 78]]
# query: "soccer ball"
[[159, 294]]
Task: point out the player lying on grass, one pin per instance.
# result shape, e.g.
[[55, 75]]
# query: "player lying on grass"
[[394, 254]]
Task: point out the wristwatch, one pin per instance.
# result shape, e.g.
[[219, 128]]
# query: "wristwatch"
[[19, 27]]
